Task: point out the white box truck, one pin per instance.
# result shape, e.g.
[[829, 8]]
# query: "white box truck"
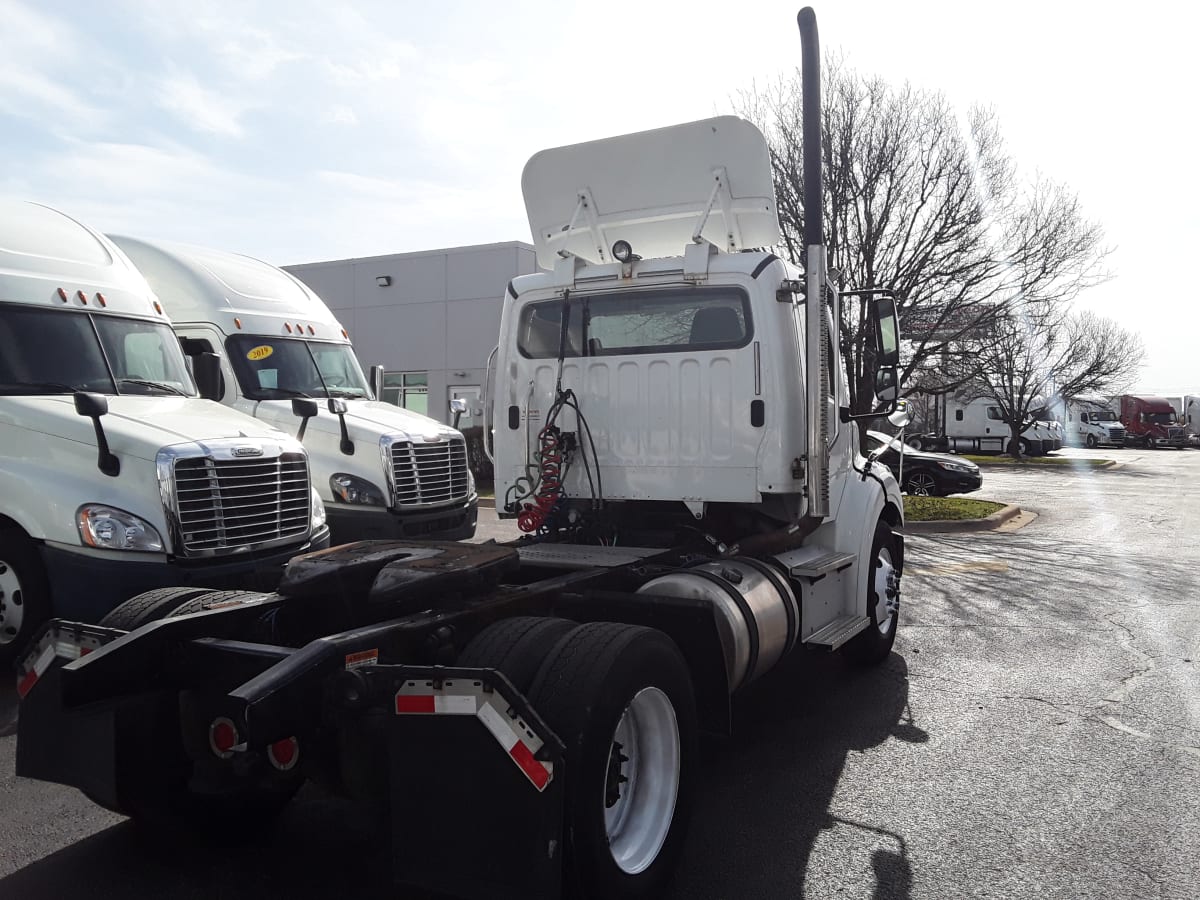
[[115, 476], [382, 471]]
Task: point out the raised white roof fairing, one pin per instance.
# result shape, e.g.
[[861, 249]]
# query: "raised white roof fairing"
[[653, 189]]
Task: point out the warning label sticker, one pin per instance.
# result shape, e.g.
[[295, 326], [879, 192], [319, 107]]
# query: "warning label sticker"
[[362, 658]]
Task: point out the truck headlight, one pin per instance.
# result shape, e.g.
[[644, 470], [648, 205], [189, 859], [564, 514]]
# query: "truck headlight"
[[106, 528], [355, 491], [318, 510]]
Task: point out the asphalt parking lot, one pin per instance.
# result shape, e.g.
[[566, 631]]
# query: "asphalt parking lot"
[[1035, 733]]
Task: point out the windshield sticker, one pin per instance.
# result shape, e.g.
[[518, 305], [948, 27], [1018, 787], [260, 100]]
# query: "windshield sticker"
[[260, 352]]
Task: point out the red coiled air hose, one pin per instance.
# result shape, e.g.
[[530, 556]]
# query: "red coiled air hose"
[[549, 483]]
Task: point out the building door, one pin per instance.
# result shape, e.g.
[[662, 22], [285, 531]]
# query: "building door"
[[473, 417]]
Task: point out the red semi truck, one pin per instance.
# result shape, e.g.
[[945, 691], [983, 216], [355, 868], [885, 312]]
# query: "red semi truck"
[[1151, 422]]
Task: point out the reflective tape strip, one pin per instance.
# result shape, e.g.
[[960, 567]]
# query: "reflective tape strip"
[[535, 770], [468, 698], [25, 685], [435, 704]]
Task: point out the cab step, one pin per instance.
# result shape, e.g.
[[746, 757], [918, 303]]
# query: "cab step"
[[805, 563], [838, 632]]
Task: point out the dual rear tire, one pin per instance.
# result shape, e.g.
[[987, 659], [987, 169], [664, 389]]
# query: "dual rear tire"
[[620, 697]]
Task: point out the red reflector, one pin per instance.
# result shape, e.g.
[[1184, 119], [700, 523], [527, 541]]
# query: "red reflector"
[[283, 753], [288, 327], [238, 323], [535, 770], [158, 307], [412, 703], [62, 294], [82, 297], [222, 736], [345, 334], [25, 685], [310, 330]]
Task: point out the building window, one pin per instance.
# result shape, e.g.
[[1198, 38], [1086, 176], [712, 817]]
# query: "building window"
[[407, 389]]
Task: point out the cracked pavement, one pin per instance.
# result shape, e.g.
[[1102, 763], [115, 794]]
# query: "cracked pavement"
[[1035, 733]]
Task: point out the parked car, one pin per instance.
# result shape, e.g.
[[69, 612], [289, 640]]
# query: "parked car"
[[925, 474]]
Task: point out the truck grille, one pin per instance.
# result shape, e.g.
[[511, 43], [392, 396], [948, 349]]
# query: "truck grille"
[[1116, 435], [228, 504], [427, 474]]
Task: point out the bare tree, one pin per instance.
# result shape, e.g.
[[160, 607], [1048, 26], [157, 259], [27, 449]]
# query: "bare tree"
[[1029, 361], [927, 203]]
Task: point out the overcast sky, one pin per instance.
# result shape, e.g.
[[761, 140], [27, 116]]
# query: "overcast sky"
[[304, 131]]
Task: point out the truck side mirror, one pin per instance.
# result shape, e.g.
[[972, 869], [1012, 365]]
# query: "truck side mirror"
[[93, 406], [305, 408], [886, 385], [376, 379], [887, 333], [458, 406], [338, 407], [207, 370]]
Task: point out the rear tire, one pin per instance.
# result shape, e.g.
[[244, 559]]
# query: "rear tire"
[[620, 697], [149, 606], [516, 647], [24, 592], [874, 644], [209, 599]]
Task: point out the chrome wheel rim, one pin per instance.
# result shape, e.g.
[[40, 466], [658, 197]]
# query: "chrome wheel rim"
[[642, 783], [887, 591], [12, 604], [921, 485]]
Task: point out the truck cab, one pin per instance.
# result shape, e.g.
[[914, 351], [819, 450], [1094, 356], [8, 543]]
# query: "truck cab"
[[661, 366], [115, 476], [382, 471], [1151, 422], [1091, 421]]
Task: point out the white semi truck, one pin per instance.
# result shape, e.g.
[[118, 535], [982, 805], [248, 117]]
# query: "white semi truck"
[[382, 471], [672, 434], [1092, 420], [978, 426], [115, 477]]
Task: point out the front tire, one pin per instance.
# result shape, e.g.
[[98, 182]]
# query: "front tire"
[[874, 644], [24, 592], [1091, 441], [620, 696]]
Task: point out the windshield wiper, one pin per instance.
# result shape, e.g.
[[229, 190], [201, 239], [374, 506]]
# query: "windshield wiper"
[[56, 387], [171, 389], [287, 392], [353, 395]]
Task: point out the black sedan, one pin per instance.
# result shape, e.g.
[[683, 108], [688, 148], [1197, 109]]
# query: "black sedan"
[[925, 474]]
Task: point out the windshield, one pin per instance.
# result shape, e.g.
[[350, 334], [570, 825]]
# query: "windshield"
[[1159, 418], [59, 351], [278, 368], [1106, 416]]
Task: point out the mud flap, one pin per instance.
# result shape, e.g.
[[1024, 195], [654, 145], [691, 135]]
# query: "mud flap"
[[475, 784]]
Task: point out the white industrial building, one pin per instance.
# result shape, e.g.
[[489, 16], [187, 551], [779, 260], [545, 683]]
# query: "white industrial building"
[[429, 318]]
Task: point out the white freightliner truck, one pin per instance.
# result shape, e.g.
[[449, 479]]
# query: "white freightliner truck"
[[1092, 420], [382, 471], [115, 477], [978, 426], [672, 434]]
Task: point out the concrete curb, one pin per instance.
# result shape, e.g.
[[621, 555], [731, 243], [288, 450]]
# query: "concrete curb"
[[987, 523], [487, 502]]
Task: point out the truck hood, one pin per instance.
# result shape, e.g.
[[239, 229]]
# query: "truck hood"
[[135, 426], [366, 420]]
